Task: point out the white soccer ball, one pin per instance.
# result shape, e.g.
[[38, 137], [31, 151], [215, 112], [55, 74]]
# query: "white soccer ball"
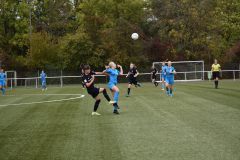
[[135, 36]]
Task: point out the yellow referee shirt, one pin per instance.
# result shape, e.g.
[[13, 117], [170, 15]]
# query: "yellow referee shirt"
[[216, 67]]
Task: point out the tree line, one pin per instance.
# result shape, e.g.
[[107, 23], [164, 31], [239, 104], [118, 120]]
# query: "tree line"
[[63, 34]]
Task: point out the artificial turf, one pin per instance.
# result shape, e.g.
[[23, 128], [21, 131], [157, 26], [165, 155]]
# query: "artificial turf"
[[198, 123]]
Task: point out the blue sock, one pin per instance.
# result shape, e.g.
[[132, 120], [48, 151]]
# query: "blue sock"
[[116, 95], [3, 91], [162, 86], [170, 91]]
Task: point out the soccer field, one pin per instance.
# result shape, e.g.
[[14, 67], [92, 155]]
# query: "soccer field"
[[198, 123]]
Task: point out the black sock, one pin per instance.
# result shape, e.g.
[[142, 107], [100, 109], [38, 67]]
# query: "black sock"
[[217, 84], [96, 105], [156, 84], [106, 95], [129, 89], [167, 89], [170, 91]]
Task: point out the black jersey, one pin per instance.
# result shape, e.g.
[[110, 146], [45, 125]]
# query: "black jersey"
[[132, 72], [154, 72], [87, 79]]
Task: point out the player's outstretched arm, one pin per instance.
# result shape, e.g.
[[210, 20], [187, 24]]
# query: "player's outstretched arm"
[[99, 73], [121, 70]]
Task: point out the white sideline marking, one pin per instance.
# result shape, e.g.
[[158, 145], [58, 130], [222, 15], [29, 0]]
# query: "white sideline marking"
[[43, 95], [40, 102], [51, 94]]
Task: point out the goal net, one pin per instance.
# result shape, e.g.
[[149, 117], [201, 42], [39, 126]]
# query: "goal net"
[[186, 70]]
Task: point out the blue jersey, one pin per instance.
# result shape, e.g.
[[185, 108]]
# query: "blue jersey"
[[113, 74], [3, 76], [168, 74], [164, 69], [43, 77]]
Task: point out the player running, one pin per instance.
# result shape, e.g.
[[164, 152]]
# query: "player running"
[[113, 74], [154, 76], [163, 75], [132, 78], [216, 68], [43, 76], [88, 81], [3, 78], [169, 79]]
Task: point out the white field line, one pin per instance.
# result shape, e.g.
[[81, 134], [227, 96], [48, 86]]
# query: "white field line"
[[42, 95], [41, 102]]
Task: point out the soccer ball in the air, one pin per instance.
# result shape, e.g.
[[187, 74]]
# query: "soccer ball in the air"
[[135, 36]]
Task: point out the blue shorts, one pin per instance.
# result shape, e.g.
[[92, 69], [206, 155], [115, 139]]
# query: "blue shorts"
[[44, 83], [111, 85], [2, 83], [163, 76], [169, 81]]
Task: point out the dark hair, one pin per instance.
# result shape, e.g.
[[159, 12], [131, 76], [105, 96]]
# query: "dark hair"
[[86, 67]]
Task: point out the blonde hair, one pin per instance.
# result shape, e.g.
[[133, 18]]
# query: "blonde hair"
[[111, 64]]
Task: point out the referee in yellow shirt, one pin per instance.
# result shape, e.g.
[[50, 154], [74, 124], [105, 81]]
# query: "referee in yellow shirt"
[[216, 68]]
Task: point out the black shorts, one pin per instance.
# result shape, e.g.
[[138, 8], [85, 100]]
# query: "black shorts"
[[154, 76], [94, 92], [132, 81], [215, 75]]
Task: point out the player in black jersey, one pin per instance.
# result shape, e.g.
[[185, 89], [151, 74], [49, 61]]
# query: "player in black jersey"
[[154, 76], [82, 73], [88, 81], [132, 78]]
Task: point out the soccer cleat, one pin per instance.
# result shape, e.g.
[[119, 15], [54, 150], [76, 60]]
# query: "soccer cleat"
[[115, 112], [163, 89], [171, 95], [112, 102], [95, 114], [127, 95]]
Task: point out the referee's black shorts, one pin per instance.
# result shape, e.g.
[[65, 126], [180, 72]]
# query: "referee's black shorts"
[[215, 75], [94, 92]]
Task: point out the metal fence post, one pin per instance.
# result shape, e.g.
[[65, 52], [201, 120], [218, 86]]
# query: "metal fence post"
[[61, 79], [11, 84], [36, 81]]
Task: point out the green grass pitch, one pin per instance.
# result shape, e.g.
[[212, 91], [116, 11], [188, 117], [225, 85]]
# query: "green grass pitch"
[[198, 123]]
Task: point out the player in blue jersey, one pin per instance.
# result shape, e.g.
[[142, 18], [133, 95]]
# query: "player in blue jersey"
[[113, 74], [163, 75], [43, 76], [170, 71], [3, 78]]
